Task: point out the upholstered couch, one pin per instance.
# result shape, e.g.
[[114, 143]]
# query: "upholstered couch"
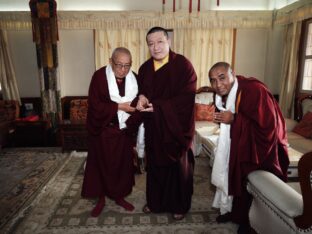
[[9, 112], [276, 204], [278, 207], [300, 132], [73, 131], [206, 131]]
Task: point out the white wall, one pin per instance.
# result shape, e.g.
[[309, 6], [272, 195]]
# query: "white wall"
[[251, 49], [24, 60], [67, 5], [259, 55], [274, 59], [76, 61]]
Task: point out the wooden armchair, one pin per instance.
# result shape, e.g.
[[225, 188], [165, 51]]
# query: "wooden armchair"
[[304, 221]]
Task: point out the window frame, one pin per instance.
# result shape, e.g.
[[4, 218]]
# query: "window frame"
[[303, 57]]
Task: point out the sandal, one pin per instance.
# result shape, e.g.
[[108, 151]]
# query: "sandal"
[[146, 210], [178, 216]]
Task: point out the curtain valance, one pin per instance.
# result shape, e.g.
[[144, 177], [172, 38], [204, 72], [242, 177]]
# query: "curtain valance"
[[145, 19], [287, 16]]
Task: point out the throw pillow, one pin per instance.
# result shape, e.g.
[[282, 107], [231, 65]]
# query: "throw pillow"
[[304, 127], [204, 112], [78, 109]]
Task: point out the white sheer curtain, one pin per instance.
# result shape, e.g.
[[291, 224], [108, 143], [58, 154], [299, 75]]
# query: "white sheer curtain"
[[133, 39], [7, 74], [204, 47], [290, 68]]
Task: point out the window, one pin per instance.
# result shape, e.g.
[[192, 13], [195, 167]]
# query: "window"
[[306, 59]]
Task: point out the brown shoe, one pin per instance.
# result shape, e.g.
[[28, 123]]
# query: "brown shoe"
[[227, 217], [178, 216], [146, 210]]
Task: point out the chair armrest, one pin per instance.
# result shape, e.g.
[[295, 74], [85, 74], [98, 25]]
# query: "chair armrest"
[[205, 128], [276, 192], [290, 124]]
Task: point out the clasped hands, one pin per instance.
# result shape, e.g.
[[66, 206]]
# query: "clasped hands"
[[225, 117], [144, 105]]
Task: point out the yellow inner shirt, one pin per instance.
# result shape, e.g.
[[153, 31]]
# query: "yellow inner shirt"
[[159, 64]]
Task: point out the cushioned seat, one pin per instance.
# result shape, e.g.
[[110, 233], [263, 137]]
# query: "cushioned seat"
[[279, 208], [204, 126]]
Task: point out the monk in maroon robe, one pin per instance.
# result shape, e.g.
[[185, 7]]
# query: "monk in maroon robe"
[[166, 103], [258, 137], [109, 168]]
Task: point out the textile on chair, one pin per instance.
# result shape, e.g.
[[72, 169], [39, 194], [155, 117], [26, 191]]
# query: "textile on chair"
[[45, 35]]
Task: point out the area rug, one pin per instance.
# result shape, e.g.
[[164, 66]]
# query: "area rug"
[[60, 208], [23, 172]]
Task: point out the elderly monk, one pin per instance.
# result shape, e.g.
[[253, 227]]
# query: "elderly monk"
[[166, 106], [109, 168], [252, 137]]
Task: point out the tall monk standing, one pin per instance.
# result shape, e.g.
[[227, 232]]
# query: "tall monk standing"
[[252, 137], [166, 103], [109, 168]]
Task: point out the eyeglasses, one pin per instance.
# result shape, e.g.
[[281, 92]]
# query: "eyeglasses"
[[120, 66]]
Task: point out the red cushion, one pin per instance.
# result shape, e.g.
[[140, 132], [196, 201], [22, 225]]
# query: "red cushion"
[[78, 109], [204, 112], [304, 127]]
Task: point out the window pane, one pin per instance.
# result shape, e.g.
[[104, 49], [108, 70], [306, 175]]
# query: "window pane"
[[309, 41], [307, 75]]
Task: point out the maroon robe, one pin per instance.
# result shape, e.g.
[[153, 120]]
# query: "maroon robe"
[[258, 141], [168, 133], [109, 169]]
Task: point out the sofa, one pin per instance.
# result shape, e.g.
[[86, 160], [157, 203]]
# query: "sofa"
[[73, 133], [300, 132], [278, 207], [9, 112], [206, 131], [299, 139]]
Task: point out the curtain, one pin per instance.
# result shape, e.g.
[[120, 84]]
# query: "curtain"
[[290, 68], [133, 39], [7, 74], [204, 47]]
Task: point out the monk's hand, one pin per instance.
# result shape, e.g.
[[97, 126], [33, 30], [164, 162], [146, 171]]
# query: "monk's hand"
[[149, 108], [225, 117], [125, 106], [142, 103]]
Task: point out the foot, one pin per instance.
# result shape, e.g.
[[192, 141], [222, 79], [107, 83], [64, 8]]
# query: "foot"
[[98, 208], [146, 210], [244, 229], [126, 205], [178, 216], [227, 217]]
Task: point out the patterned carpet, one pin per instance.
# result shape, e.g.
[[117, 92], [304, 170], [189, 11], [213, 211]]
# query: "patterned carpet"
[[60, 209], [23, 172]]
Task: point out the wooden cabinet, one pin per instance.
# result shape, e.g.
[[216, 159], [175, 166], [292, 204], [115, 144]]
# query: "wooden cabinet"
[[73, 135]]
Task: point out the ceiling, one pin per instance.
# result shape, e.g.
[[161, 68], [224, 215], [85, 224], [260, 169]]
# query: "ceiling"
[[152, 5]]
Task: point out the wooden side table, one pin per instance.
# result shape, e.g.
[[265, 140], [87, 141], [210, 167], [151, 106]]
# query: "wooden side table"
[[29, 133], [74, 135]]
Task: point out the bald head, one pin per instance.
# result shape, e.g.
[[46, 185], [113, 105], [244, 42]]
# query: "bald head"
[[121, 50], [221, 78], [224, 65]]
